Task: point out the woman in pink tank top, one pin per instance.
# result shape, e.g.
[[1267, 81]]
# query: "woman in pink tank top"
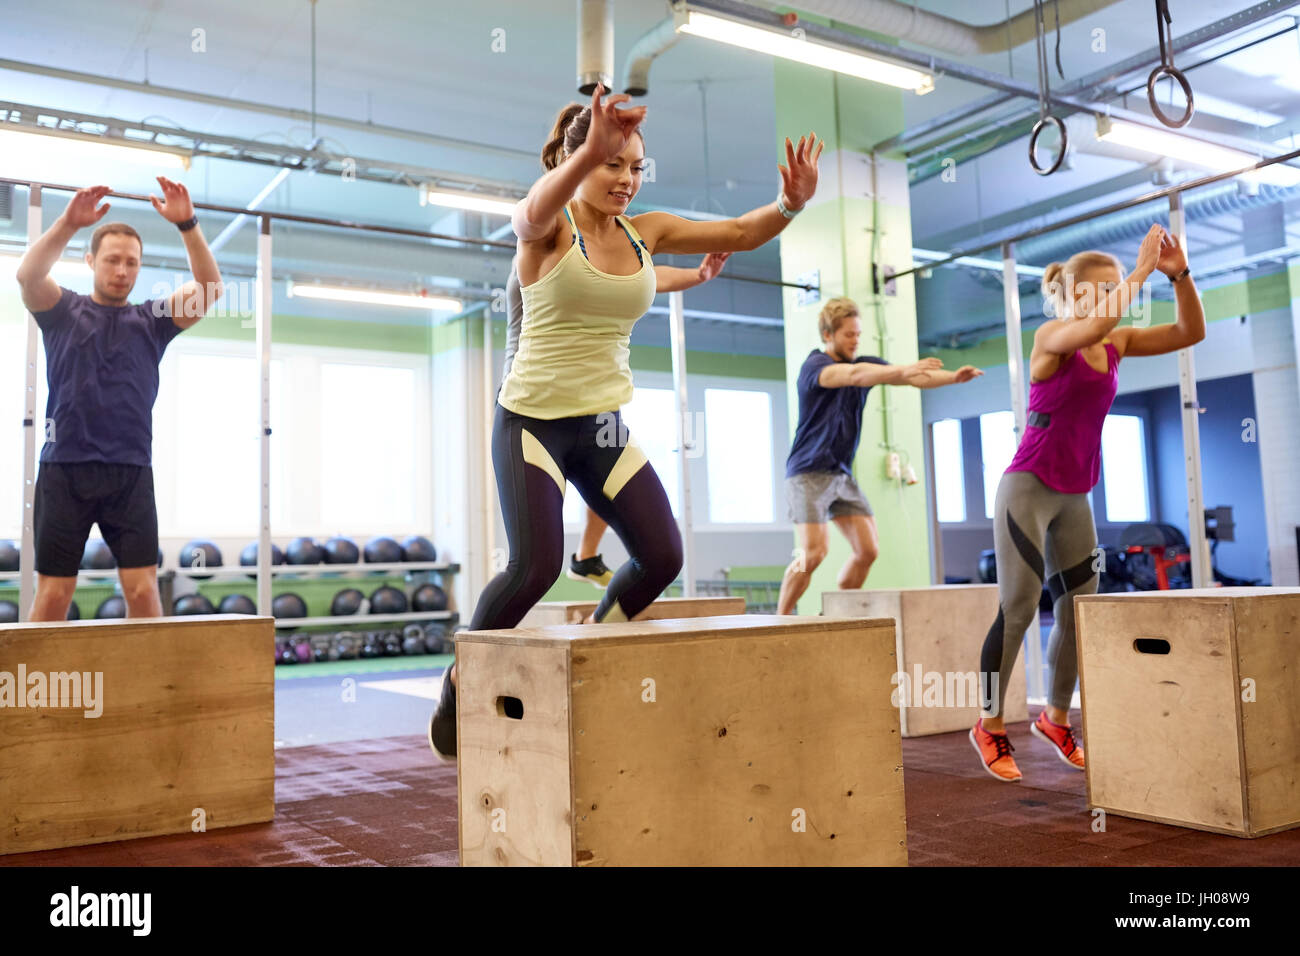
[[1043, 527]]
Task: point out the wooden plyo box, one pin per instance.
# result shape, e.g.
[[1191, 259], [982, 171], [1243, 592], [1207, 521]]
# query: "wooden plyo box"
[[1191, 706], [185, 722], [743, 740], [575, 612], [941, 630]]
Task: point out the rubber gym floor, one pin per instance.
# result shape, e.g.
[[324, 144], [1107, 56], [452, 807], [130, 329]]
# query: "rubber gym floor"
[[354, 787]]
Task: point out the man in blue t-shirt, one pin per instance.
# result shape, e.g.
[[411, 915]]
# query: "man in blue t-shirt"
[[102, 358], [833, 387]]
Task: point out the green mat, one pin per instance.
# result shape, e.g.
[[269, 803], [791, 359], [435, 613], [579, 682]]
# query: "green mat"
[[373, 665]]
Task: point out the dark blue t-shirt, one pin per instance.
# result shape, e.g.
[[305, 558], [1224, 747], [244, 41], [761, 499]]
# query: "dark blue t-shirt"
[[102, 366], [830, 420]]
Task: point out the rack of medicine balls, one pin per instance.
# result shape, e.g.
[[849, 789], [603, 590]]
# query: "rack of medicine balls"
[[331, 601]]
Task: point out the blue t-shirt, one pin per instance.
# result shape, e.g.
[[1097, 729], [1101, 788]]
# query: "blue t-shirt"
[[830, 419], [102, 367]]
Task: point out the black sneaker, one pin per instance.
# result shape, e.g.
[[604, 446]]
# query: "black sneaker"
[[442, 725], [590, 569]]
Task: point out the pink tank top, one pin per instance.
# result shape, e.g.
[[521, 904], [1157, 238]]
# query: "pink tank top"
[[1062, 440]]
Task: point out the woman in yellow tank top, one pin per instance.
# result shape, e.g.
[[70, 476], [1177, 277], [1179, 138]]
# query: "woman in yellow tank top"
[[586, 276]]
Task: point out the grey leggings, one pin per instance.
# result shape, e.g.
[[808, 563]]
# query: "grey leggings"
[[1031, 521]]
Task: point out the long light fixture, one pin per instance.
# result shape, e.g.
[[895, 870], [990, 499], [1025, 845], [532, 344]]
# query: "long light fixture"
[[473, 202], [63, 269], [53, 147], [407, 300], [1198, 152], [801, 50]]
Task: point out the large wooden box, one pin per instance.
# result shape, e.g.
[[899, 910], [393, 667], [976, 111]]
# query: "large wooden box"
[[940, 633], [1191, 706], [575, 612], [742, 740], [183, 740]]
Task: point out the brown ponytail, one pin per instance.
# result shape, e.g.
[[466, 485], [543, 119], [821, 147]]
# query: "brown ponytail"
[[568, 134]]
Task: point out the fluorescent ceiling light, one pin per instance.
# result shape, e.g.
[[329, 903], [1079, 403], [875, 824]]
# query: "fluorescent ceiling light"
[[990, 265], [1198, 152], [63, 269], [54, 147], [471, 201], [802, 50], [1234, 111], [373, 297]]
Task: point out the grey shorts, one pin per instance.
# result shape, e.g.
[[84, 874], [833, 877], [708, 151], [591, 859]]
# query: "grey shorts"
[[817, 496]]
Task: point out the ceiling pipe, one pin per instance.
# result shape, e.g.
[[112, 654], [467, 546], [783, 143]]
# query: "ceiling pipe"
[[907, 22], [656, 40], [595, 45]]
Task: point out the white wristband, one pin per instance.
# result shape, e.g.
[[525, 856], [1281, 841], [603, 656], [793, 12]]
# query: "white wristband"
[[785, 210]]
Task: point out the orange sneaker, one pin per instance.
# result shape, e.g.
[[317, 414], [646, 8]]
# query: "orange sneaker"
[[995, 753], [1061, 738]]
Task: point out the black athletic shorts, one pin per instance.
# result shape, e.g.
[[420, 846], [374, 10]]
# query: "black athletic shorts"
[[72, 497]]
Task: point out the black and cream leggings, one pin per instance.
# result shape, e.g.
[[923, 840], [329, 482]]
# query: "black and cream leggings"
[[533, 458], [1039, 534]]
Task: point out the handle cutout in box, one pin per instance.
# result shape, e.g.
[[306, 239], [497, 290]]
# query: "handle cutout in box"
[[1151, 645], [511, 707]]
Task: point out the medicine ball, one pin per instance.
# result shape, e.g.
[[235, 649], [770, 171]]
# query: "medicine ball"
[[304, 551], [248, 557], [988, 567], [9, 555], [429, 597], [383, 551], [387, 600], [97, 556], [412, 639], [193, 604], [348, 601], [111, 607], [74, 612], [200, 554], [342, 551], [237, 604], [288, 605], [416, 548], [8, 612]]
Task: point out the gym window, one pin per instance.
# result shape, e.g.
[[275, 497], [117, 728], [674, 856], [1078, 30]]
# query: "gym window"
[[997, 448], [949, 486], [368, 447], [738, 447], [1124, 468]]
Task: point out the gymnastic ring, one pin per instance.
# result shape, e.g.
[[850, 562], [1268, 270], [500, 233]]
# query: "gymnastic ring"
[[1157, 73], [1041, 125]]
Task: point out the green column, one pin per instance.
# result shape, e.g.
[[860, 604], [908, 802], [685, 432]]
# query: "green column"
[[858, 199]]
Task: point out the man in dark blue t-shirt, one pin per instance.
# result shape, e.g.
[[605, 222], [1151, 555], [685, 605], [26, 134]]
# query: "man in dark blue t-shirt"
[[833, 386], [102, 358]]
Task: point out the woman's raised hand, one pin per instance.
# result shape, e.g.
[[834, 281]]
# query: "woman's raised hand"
[[612, 128], [799, 175], [1150, 251]]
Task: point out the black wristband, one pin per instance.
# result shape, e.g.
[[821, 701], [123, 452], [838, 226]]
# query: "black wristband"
[[188, 224], [1174, 279]]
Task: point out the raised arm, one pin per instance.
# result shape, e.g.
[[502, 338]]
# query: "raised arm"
[[938, 378], [1187, 330], [535, 215], [191, 301], [664, 232], [673, 279], [1061, 336], [40, 292], [867, 374]]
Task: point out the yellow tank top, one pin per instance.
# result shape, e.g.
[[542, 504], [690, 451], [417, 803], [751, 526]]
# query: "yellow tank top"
[[573, 345]]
